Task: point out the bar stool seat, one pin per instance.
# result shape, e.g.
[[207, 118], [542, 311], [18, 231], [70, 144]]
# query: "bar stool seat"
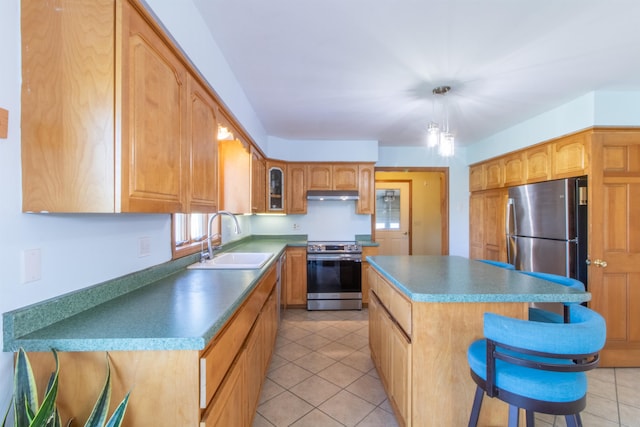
[[539, 367]]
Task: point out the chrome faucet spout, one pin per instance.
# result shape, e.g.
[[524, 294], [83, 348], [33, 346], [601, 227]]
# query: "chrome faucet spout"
[[209, 235]]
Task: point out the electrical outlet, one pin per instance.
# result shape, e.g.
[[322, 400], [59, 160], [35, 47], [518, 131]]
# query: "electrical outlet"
[[31, 265], [296, 226], [144, 246]]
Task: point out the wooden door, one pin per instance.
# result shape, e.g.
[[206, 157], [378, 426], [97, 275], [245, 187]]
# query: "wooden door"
[[154, 142], [392, 218], [319, 176], [614, 238], [230, 408]]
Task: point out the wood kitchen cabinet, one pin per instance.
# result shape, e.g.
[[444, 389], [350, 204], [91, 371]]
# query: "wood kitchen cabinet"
[[391, 344], [366, 251], [202, 128], [296, 188], [332, 176], [217, 386], [109, 119], [366, 189], [609, 158], [258, 182], [296, 286], [235, 176], [487, 225], [570, 156], [276, 186]]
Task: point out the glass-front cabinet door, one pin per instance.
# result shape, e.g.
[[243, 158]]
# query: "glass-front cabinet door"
[[276, 189]]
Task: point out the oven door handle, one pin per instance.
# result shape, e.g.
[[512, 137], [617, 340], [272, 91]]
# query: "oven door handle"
[[334, 257]]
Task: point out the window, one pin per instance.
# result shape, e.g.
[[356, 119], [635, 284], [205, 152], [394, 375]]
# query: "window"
[[190, 233], [387, 209]]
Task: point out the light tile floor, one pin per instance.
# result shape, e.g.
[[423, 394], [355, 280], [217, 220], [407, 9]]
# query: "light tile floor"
[[321, 374]]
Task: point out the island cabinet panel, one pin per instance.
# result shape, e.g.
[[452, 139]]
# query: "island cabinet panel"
[[425, 372]]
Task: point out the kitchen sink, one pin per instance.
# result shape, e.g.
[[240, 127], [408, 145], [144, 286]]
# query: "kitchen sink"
[[234, 260]]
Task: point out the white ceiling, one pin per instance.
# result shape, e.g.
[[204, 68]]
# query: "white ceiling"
[[365, 69]]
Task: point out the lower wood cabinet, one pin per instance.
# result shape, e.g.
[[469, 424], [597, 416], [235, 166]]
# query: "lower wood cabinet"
[[218, 386], [296, 284]]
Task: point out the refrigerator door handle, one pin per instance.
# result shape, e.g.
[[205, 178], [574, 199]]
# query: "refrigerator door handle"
[[509, 223]]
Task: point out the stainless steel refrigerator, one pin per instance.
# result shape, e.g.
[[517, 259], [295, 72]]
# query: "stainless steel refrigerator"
[[546, 227]]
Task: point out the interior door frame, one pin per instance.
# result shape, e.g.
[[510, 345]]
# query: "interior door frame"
[[444, 202]]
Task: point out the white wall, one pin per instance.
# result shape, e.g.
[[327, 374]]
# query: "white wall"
[[603, 108]]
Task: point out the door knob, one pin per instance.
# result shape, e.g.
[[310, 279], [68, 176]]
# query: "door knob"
[[597, 262]]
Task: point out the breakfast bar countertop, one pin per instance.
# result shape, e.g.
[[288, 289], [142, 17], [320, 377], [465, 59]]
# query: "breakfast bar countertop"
[[457, 279]]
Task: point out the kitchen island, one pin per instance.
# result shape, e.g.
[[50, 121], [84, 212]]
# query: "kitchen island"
[[424, 312]]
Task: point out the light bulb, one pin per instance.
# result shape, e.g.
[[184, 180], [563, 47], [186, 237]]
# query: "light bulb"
[[446, 147], [433, 135]]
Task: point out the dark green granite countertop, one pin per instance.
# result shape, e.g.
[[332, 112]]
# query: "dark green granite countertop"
[[458, 279], [181, 310]]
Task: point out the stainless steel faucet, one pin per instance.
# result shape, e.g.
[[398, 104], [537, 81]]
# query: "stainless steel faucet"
[[209, 235]]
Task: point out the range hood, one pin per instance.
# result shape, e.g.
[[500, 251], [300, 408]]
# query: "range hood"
[[332, 195]]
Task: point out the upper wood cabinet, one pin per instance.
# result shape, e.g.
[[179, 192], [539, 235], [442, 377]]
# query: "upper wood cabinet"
[[296, 185], [203, 128], [258, 182], [276, 186], [235, 176], [366, 189], [514, 169], [570, 156], [106, 123], [538, 163], [560, 158], [332, 176]]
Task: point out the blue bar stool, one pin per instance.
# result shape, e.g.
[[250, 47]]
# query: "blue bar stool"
[[539, 367], [541, 315], [504, 265]]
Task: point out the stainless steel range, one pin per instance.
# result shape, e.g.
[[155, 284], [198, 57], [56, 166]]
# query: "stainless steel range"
[[334, 276]]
